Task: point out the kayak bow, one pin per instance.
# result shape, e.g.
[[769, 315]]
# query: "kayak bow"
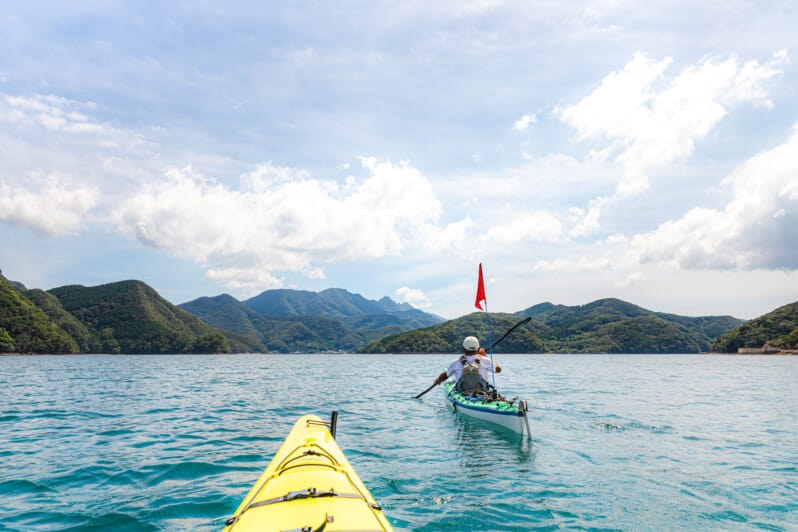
[[309, 485], [498, 412]]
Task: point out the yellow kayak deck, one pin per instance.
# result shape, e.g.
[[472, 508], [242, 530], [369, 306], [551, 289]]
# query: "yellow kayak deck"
[[309, 486]]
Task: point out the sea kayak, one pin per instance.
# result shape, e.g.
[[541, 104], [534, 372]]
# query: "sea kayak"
[[310, 486], [498, 411]]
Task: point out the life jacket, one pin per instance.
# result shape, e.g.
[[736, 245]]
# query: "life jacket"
[[471, 379]]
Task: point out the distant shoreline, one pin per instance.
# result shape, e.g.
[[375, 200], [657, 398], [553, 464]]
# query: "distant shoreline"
[[120, 354], [780, 353]]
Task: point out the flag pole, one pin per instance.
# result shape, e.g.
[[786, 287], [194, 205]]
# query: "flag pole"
[[482, 297], [490, 347]]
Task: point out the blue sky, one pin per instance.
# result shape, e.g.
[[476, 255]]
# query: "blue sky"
[[597, 149]]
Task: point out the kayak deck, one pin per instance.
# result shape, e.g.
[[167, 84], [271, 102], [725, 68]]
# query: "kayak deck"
[[499, 412], [309, 485]]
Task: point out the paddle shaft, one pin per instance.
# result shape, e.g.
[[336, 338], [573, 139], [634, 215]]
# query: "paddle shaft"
[[425, 391], [514, 327]]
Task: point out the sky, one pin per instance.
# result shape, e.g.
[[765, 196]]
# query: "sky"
[[578, 150]]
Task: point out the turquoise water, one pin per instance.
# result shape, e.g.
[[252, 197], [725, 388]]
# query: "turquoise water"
[[688, 442]]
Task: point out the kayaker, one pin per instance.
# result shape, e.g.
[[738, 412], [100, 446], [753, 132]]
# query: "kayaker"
[[471, 371]]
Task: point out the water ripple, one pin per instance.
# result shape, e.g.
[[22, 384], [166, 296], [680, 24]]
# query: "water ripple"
[[620, 442]]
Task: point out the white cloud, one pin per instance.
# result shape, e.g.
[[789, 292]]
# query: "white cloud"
[[266, 176], [535, 226], [647, 121], [251, 280], [524, 122], [589, 221], [631, 280], [50, 208], [616, 239], [448, 240], [48, 135], [282, 220], [414, 296], [618, 106], [581, 265], [757, 228], [542, 180], [52, 112], [316, 273]]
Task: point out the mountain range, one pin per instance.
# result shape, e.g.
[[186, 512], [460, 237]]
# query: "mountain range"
[[332, 303], [122, 317], [603, 326], [301, 321], [131, 317]]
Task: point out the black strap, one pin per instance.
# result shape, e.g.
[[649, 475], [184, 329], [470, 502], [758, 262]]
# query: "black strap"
[[309, 452], [477, 359], [301, 494], [310, 493]]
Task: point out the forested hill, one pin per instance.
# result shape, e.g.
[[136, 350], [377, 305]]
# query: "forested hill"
[[307, 333], [604, 326], [448, 337], [335, 303], [604, 309], [25, 328], [131, 317], [123, 317], [778, 328]]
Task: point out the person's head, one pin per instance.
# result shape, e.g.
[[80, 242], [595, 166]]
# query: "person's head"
[[470, 345]]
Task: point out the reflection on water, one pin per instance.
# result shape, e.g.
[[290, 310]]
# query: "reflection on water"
[[483, 444]]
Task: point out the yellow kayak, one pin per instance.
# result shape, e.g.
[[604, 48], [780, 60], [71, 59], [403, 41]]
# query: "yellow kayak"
[[309, 486]]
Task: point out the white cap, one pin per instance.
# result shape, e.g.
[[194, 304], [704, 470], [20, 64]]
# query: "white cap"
[[471, 343]]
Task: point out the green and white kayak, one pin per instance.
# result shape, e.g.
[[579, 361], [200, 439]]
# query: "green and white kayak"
[[499, 411]]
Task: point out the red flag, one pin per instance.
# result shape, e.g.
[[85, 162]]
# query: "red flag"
[[480, 289]]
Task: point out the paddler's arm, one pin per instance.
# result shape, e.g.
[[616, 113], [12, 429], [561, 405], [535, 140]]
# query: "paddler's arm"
[[442, 377], [496, 367]]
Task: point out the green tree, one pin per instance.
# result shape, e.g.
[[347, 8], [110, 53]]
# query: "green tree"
[[28, 327], [109, 343], [214, 342], [6, 343]]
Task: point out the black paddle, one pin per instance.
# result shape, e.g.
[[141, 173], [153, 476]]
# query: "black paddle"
[[425, 391], [514, 327]]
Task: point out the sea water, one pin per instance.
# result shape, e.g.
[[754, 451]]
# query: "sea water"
[[620, 442]]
